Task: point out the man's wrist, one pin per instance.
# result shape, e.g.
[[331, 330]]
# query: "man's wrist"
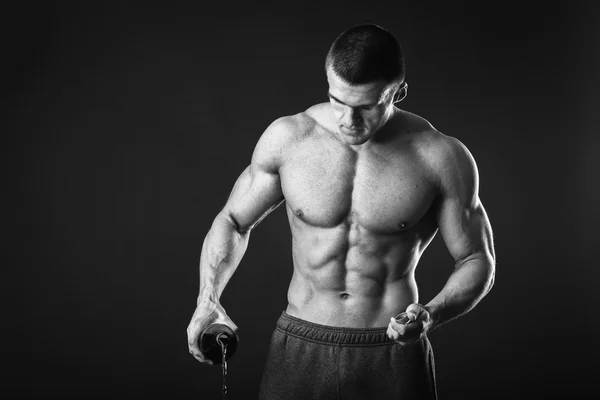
[[207, 298], [434, 317]]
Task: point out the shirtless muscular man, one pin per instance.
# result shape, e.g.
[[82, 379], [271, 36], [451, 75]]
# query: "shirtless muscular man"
[[366, 186]]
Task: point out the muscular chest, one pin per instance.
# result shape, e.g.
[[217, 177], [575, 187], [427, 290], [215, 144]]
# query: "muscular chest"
[[326, 186]]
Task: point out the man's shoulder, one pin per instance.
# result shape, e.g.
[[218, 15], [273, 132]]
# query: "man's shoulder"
[[284, 133], [446, 156], [432, 144], [294, 126]]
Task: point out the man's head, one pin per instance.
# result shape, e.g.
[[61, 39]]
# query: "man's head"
[[365, 71]]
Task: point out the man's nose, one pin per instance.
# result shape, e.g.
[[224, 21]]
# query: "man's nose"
[[351, 116]]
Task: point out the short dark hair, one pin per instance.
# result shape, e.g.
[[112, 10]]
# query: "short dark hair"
[[365, 54]]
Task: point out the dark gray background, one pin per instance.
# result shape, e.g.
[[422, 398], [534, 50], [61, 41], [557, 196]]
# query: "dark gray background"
[[129, 124]]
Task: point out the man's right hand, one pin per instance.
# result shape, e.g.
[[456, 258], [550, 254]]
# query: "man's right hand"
[[206, 313]]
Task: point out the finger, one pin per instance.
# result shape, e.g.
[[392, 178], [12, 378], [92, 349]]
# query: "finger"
[[193, 334], [392, 334], [233, 326], [414, 311], [397, 327], [204, 360], [402, 318], [194, 350], [193, 344], [235, 329]]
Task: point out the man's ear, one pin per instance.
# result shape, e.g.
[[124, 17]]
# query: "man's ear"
[[401, 93]]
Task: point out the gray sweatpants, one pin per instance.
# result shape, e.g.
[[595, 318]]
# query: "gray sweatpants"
[[312, 361]]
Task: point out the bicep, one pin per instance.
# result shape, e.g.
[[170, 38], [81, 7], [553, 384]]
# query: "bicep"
[[465, 228], [462, 220], [255, 194], [258, 191]]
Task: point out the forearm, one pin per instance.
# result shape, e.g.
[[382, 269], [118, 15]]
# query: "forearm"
[[222, 251], [471, 280]]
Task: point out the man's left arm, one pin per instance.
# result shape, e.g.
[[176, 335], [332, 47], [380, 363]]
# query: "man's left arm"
[[466, 230]]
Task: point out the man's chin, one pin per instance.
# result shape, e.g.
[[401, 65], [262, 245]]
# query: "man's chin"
[[354, 138], [355, 141]]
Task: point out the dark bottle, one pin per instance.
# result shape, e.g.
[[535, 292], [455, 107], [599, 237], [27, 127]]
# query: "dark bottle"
[[216, 338]]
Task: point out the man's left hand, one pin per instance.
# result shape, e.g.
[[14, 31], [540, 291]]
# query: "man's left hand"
[[410, 325]]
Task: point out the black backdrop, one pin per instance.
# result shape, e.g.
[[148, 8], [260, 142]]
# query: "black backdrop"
[[128, 124]]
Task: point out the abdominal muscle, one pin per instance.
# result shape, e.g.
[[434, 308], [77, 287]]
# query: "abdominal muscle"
[[345, 277]]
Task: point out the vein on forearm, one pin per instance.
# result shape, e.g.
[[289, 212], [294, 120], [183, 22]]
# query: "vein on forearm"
[[471, 280], [222, 250]]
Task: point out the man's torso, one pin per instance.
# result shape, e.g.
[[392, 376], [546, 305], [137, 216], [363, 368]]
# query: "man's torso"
[[360, 218]]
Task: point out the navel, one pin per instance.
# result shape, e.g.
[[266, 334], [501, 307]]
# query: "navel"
[[344, 295]]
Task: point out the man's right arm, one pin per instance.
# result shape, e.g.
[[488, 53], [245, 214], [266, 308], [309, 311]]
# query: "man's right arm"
[[255, 194]]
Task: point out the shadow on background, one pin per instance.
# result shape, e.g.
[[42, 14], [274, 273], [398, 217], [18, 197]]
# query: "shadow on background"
[[129, 126]]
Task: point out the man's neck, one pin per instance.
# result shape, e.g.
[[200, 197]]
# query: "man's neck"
[[381, 136]]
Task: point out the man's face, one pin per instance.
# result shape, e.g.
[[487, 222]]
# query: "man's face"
[[359, 111]]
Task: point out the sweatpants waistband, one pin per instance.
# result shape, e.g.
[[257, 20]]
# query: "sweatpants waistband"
[[332, 335]]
